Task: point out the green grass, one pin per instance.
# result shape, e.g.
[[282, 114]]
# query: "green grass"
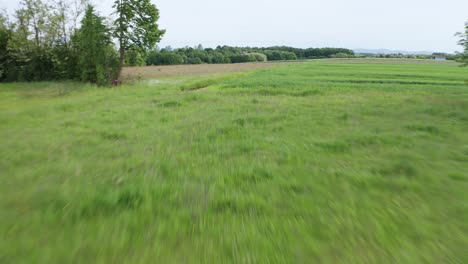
[[321, 162]]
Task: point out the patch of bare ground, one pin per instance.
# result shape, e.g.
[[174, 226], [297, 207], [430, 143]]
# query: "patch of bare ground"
[[156, 72]]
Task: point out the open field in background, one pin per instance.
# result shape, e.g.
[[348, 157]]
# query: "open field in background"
[[315, 162], [146, 72], [152, 72], [394, 61]]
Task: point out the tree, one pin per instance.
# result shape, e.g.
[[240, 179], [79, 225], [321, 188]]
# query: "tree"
[[63, 23], [31, 42], [5, 35], [136, 26], [33, 18], [464, 43], [42, 42], [97, 59], [64, 16]]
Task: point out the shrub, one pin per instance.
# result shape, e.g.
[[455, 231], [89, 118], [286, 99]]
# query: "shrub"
[[240, 58], [289, 55], [259, 56]]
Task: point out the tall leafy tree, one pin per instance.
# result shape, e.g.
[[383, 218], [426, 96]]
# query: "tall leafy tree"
[[31, 43], [63, 21], [464, 43], [5, 35], [95, 49], [136, 26], [33, 19], [64, 16]]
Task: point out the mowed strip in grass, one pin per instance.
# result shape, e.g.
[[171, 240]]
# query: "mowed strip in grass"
[[320, 162]]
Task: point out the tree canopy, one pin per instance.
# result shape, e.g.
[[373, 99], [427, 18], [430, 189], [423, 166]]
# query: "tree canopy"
[[93, 43], [227, 54], [464, 43], [136, 26]]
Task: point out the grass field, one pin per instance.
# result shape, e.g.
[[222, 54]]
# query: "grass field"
[[316, 162]]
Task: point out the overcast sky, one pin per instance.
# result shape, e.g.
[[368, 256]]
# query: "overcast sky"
[[413, 25]]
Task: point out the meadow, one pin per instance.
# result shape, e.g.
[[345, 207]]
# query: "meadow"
[[328, 161]]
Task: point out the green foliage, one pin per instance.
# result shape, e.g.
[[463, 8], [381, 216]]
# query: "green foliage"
[[193, 60], [226, 54], [219, 57], [464, 43], [259, 56], [28, 53], [163, 58], [136, 26], [276, 55], [134, 57], [341, 55], [239, 58], [5, 36], [38, 47], [33, 17], [326, 52], [44, 41], [39, 64], [97, 58]]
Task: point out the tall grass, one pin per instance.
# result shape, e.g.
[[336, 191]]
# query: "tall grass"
[[327, 162]]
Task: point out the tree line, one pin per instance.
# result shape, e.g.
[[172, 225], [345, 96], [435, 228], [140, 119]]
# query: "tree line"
[[227, 54], [447, 56], [69, 40]]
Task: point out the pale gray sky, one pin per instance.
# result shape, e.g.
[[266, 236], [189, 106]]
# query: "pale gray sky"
[[413, 25]]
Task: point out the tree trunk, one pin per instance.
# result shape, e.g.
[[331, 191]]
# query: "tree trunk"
[[36, 35], [121, 60], [121, 40]]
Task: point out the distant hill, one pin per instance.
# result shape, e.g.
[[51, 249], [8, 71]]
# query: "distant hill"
[[387, 51]]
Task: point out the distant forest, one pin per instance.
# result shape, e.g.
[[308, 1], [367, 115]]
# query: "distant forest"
[[226, 54]]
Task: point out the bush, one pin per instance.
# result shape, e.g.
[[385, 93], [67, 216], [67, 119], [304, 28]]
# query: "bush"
[[289, 55], [34, 65], [240, 58], [259, 56]]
